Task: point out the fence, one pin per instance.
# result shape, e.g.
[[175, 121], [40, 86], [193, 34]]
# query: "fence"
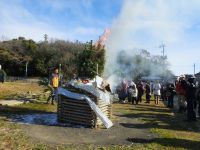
[[22, 79]]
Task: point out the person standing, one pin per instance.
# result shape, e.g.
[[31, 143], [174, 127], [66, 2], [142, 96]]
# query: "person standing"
[[156, 89], [133, 92], [2, 75], [163, 92], [148, 92], [181, 86], [140, 91], [171, 93], [124, 87], [54, 82], [151, 86], [190, 95]]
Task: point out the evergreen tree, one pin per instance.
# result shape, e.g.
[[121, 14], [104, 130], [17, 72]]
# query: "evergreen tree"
[[88, 61]]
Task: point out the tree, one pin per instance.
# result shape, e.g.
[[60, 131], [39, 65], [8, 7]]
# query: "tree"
[[89, 59]]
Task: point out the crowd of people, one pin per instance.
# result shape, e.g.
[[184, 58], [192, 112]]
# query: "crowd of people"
[[135, 91], [183, 94]]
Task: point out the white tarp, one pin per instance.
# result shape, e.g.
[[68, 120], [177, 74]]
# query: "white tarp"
[[70, 94], [94, 91], [99, 81], [107, 122]]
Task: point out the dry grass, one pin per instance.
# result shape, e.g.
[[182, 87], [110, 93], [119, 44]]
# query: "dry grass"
[[9, 90], [172, 131]]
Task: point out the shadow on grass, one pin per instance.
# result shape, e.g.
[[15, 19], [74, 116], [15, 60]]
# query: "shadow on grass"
[[161, 118], [169, 142], [24, 109], [152, 109]]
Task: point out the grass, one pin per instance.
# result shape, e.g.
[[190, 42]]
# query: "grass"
[[169, 126], [173, 132], [10, 90], [28, 108]]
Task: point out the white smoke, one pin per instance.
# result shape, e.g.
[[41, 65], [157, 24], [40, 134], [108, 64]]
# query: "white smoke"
[[141, 24]]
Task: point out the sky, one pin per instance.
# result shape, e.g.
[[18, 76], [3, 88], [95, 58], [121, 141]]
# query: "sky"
[[134, 24]]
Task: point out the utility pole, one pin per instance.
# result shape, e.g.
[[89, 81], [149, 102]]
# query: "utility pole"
[[194, 68], [26, 71], [163, 54], [163, 49], [45, 37]]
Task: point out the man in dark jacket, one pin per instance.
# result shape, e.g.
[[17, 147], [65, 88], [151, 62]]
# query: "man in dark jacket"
[[171, 93], [140, 89], [190, 95], [148, 92]]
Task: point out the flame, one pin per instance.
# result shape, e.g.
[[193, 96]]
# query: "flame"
[[103, 38]]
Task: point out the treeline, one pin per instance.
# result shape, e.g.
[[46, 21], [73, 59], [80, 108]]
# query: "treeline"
[[41, 57]]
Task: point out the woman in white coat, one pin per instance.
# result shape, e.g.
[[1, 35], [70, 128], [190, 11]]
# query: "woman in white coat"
[[156, 91]]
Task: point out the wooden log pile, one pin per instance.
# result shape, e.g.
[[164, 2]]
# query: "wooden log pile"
[[78, 112]]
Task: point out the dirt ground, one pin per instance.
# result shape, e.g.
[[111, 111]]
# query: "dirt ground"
[[116, 135]]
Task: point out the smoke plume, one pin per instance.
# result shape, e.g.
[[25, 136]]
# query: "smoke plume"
[[140, 24]]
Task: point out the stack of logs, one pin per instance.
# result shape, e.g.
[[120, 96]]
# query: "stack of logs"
[[78, 112]]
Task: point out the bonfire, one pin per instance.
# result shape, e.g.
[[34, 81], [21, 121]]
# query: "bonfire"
[[85, 103]]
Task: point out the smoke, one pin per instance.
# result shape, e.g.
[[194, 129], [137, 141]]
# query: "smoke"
[[135, 65], [141, 24]]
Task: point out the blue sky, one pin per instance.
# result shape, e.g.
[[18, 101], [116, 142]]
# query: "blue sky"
[[64, 19], [133, 23]]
